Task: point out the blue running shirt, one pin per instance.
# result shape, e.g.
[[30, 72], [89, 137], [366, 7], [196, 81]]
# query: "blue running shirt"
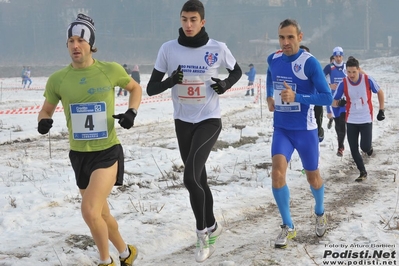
[[304, 74]]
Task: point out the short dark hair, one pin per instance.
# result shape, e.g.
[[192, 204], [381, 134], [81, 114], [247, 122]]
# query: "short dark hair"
[[194, 6], [290, 22], [352, 62], [304, 48]]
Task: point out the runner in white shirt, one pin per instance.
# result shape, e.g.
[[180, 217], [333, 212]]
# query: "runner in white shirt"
[[357, 89], [192, 62]]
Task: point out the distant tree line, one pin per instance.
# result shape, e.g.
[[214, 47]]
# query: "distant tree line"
[[34, 31]]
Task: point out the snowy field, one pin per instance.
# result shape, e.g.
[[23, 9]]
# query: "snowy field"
[[41, 223]]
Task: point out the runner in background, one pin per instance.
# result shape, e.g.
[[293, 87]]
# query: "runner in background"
[[26, 78], [330, 119], [357, 89], [318, 110], [334, 73]]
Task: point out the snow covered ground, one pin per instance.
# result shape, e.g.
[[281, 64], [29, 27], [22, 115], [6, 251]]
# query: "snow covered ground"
[[41, 224]]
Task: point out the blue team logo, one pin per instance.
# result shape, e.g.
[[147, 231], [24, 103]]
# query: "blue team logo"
[[297, 68], [82, 81], [98, 90], [210, 58]]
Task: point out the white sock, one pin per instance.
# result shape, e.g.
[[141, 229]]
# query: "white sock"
[[212, 228], [125, 253], [108, 261], [203, 231]]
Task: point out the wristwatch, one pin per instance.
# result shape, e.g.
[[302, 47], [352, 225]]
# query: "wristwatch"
[[133, 110]]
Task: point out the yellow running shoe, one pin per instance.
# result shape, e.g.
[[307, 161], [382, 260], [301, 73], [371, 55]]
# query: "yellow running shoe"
[[321, 225], [133, 252], [285, 234]]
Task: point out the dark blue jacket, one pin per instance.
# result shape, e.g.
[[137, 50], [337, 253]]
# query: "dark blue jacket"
[[251, 74]]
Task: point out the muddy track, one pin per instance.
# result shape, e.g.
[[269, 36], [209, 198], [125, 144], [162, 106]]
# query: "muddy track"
[[242, 247], [241, 242]]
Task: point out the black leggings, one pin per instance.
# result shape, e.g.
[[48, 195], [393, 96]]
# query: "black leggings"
[[340, 128], [365, 131], [195, 144], [318, 113]]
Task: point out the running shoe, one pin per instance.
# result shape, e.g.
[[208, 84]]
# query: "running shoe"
[[362, 176], [285, 234], [202, 247], [321, 225], [213, 236], [340, 152], [133, 252]]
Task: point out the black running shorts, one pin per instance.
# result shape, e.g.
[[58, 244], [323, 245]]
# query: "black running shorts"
[[85, 163]]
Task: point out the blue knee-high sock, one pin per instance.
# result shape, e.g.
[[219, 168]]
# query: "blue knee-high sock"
[[318, 195], [282, 197]]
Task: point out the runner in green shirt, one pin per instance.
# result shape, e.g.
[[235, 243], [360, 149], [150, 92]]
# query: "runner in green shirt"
[[86, 89]]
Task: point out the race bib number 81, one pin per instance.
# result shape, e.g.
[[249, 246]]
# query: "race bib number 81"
[[192, 91], [89, 121]]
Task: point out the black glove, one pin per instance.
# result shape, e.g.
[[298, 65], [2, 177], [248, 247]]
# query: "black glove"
[[176, 77], [44, 125], [126, 120], [221, 86], [342, 102], [381, 115]]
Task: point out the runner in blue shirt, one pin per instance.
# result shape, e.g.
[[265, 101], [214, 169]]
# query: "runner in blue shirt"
[[295, 83], [334, 73]]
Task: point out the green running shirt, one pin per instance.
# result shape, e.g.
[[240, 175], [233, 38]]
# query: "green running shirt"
[[88, 98]]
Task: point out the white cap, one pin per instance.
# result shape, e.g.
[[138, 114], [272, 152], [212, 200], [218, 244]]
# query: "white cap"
[[338, 51]]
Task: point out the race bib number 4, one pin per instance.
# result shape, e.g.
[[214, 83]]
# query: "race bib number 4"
[[192, 91], [89, 121], [279, 104]]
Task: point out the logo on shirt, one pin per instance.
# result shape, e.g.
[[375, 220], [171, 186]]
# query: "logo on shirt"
[[211, 58], [82, 81], [297, 68], [98, 90]]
